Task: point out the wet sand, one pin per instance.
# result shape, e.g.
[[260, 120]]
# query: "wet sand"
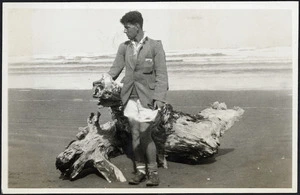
[[255, 153]]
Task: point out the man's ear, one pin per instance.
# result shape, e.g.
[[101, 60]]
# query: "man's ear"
[[137, 25]]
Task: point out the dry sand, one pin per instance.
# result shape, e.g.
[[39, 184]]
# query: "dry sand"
[[255, 153]]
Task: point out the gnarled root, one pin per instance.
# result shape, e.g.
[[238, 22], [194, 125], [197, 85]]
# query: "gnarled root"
[[94, 144], [176, 134]]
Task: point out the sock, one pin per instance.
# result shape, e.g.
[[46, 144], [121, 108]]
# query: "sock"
[[152, 168], [141, 167]]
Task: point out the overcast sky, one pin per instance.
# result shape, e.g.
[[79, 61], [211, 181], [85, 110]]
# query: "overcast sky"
[[55, 31]]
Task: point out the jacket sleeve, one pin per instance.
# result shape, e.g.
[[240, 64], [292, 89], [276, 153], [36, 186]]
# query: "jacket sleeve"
[[119, 62], [161, 75]]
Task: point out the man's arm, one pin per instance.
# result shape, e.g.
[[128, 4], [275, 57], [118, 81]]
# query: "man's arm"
[[119, 62], [116, 68], [161, 75]]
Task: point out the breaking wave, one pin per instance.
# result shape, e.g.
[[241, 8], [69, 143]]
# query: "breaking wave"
[[217, 66], [202, 60]]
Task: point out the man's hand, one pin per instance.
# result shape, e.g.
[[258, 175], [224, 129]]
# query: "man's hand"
[[97, 82], [158, 104], [107, 80]]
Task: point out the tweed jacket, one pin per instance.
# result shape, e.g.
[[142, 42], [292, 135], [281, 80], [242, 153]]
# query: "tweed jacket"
[[147, 71]]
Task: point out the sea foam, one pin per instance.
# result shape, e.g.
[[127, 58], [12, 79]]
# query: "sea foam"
[[227, 68]]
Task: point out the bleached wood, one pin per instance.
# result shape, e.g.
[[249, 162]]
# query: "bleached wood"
[[176, 134]]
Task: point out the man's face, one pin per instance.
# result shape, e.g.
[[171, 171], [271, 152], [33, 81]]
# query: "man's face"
[[131, 31]]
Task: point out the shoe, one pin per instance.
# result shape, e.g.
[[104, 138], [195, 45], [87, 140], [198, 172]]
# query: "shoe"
[[153, 179], [138, 178]]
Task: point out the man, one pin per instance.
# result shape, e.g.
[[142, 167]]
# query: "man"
[[143, 93]]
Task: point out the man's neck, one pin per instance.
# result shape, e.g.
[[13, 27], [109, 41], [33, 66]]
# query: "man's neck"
[[139, 36]]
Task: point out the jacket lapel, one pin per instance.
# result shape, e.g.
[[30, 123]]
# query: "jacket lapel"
[[131, 56], [133, 59], [143, 51]]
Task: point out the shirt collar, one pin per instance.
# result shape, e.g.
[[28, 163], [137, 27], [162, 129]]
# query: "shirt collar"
[[142, 41]]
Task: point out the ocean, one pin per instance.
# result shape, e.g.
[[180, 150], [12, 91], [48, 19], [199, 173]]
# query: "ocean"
[[200, 69]]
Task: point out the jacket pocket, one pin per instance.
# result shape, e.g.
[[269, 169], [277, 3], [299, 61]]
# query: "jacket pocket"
[[151, 81], [151, 85], [148, 70], [148, 66]]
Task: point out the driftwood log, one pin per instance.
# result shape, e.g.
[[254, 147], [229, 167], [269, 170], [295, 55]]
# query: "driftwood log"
[[176, 135]]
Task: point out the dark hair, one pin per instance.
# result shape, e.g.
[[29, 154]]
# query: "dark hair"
[[132, 17]]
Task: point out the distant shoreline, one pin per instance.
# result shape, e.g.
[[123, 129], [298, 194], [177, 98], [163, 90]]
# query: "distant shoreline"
[[201, 69]]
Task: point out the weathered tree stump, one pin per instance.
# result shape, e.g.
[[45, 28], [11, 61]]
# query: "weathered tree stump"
[[94, 144], [176, 134]]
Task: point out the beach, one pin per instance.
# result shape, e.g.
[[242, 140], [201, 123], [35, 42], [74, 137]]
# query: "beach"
[[242, 55], [255, 153], [50, 97]]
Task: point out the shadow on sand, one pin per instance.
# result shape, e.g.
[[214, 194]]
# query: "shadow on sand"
[[207, 160], [88, 169]]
